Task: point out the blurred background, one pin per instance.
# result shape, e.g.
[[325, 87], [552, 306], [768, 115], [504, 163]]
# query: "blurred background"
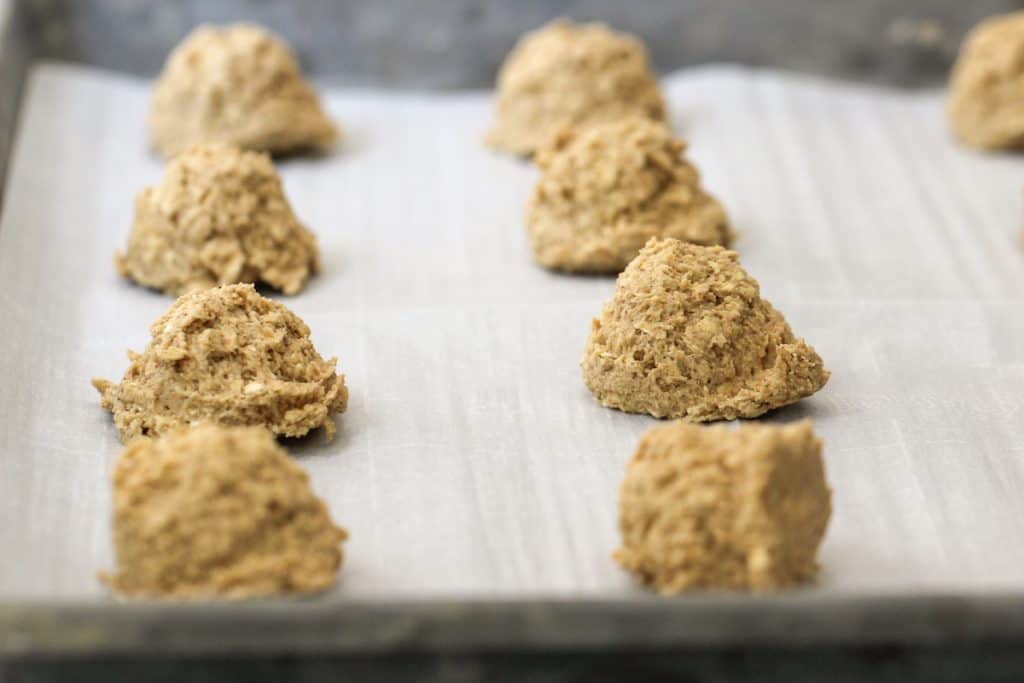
[[460, 43]]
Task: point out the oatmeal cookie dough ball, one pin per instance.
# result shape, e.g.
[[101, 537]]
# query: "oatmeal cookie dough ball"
[[567, 73], [228, 356], [219, 216], [608, 188], [710, 507], [986, 92], [687, 335], [218, 512], [237, 84]]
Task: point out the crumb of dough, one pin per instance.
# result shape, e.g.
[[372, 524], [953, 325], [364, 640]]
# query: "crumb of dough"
[[219, 216], [717, 508], [240, 85], [230, 356], [567, 73], [687, 335], [608, 188], [986, 91], [218, 512]]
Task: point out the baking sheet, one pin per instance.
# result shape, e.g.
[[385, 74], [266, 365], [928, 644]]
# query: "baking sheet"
[[472, 461]]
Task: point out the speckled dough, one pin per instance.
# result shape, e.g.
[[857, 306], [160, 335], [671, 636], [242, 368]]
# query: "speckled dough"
[[218, 217], [226, 355], [608, 188], [566, 73], [986, 92], [688, 335], [711, 507], [237, 84], [215, 512]]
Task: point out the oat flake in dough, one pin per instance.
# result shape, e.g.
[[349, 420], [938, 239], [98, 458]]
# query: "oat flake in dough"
[[218, 512], [219, 216], [230, 356], [687, 335]]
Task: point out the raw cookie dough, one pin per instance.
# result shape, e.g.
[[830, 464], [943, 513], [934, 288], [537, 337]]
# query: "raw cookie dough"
[[688, 335], [566, 73], [237, 84], [608, 188], [711, 507], [218, 217], [218, 512], [986, 92], [226, 355]]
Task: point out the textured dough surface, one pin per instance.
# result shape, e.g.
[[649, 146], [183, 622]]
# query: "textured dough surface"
[[687, 335], [608, 188], [218, 512], [986, 92], [219, 216], [711, 507], [567, 73], [240, 85], [226, 355]]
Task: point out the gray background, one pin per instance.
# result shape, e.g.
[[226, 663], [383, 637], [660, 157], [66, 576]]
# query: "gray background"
[[460, 43]]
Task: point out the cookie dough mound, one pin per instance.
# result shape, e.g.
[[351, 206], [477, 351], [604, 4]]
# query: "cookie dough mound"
[[566, 73], [710, 507], [608, 188], [229, 356], [218, 217], [218, 512], [240, 85], [986, 93], [688, 335]]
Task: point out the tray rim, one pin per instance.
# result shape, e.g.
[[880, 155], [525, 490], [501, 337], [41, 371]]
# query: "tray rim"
[[383, 627], [17, 53]]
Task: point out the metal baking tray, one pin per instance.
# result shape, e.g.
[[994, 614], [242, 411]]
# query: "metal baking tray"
[[892, 250]]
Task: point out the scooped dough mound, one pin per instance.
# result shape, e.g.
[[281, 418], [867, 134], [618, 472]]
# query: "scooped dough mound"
[[986, 94], [687, 334], [711, 507], [566, 73], [218, 512], [240, 85], [229, 356], [608, 188], [218, 217]]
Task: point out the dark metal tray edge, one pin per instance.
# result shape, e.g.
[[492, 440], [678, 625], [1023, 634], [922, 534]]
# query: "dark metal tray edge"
[[385, 627]]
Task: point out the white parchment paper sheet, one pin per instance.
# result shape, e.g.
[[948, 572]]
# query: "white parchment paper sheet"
[[473, 461]]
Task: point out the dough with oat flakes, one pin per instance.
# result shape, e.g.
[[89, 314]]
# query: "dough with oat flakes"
[[218, 512], [219, 216], [567, 73], [230, 356], [241, 85], [718, 508], [687, 335], [986, 90], [606, 189]]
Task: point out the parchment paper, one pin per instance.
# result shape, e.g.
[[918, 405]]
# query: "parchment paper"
[[472, 460]]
